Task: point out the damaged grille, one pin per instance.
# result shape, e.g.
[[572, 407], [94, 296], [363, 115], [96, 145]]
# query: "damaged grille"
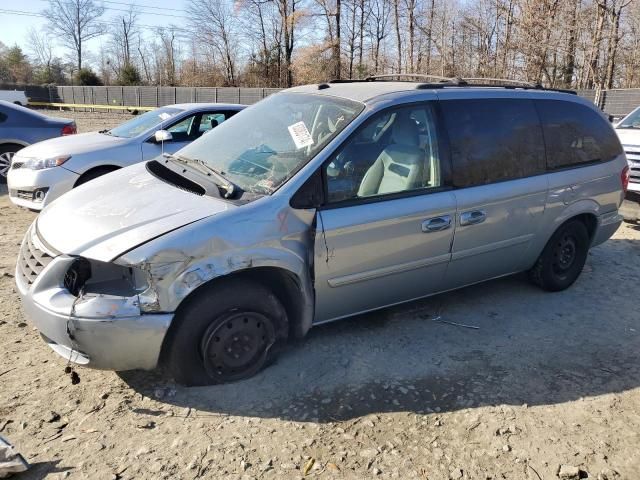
[[32, 260]]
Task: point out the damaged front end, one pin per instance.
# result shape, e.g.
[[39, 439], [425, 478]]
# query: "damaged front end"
[[88, 311]]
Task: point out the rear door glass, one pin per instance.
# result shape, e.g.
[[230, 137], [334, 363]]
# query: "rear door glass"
[[210, 121], [493, 140], [575, 134]]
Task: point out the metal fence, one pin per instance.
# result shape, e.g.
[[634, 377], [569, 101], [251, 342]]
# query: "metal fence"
[[142, 96], [617, 102]]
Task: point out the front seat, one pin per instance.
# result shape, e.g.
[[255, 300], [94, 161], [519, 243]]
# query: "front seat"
[[214, 123], [400, 166]]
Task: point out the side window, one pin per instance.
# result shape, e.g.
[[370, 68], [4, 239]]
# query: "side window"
[[394, 151], [575, 134], [493, 140], [181, 131], [209, 121]]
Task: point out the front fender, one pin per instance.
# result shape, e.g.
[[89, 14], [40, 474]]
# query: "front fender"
[[179, 262]]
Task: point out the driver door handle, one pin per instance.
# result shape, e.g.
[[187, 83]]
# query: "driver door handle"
[[436, 224], [473, 218]]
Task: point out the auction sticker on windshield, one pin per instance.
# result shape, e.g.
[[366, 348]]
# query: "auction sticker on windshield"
[[300, 135]]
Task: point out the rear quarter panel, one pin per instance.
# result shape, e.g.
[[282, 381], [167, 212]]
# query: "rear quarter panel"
[[593, 189]]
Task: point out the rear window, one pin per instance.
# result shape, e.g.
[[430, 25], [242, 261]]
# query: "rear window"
[[493, 140], [576, 134]]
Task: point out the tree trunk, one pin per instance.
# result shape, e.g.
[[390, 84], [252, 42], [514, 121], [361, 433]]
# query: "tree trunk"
[[570, 64], [396, 10]]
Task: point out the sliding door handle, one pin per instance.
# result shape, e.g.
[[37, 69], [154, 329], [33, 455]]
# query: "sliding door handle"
[[473, 218], [436, 224]]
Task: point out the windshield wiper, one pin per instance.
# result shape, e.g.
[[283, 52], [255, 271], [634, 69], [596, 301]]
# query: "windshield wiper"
[[106, 131], [229, 187]]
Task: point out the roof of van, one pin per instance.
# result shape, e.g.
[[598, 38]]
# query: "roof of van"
[[365, 91]]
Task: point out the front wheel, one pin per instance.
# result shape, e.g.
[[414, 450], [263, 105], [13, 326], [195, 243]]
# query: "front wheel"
[[6, 154], [563, 258], [225, 333]]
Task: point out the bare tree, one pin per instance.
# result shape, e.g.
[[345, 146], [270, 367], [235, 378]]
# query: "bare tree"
[[215, 25], [41, 48], [75, 22], [123, 36]]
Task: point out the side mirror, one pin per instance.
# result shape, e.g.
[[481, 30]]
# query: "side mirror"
[[311, 194], [163, 136]]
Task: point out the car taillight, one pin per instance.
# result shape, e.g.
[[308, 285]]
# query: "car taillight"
[[624, 177], [69, 129]]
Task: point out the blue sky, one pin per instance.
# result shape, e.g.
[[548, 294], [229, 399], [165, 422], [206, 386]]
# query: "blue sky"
[[17, 16]]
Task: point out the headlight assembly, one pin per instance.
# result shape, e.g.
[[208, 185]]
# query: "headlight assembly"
[[92, 277], [42, 163]]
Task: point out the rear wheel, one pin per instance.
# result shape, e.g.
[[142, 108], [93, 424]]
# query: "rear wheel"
[[563, 257], [6, 154], [226, 333]]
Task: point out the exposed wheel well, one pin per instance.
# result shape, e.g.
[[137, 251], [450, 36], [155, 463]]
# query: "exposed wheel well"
[[590, 221], [94, 173], [9, 144], [283, 284]]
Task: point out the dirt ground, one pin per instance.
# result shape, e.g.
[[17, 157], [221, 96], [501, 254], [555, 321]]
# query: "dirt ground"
[[544, 380]]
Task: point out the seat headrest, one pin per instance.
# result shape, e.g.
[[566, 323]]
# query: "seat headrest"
[[214, 123], [405, 131]]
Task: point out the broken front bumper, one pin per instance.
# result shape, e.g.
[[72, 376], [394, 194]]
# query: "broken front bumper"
[[100, 331]]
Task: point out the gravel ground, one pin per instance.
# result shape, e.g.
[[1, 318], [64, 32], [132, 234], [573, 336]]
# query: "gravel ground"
[[544, 381], [91, 121]]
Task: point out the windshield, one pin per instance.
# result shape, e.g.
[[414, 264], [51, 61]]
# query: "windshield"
[[263, 146], [144, 122], [631, 121]]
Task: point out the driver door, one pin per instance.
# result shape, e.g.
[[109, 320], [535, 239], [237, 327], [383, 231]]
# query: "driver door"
[[385, 233]]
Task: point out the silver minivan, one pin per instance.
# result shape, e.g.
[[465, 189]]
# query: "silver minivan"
[[315, 204]]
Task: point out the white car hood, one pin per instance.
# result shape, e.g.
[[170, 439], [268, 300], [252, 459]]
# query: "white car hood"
[[72, 145], [628, 136], [108, 216]]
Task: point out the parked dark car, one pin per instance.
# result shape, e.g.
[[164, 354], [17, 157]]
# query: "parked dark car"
[[20, 127]]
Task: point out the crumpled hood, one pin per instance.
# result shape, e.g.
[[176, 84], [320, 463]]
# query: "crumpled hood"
[[629, 136], [108, 216], [72, 145]]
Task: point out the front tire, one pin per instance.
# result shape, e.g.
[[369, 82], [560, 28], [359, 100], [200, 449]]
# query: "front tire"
[[225, 333], [563, 258], [6, 154]]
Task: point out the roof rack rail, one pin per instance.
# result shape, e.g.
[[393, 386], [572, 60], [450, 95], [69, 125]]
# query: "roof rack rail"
[[501, 82], [443, 82], [373, 78]]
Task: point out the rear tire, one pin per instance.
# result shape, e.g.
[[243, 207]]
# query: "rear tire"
[[226, 333], [6, 154], [563, 258]]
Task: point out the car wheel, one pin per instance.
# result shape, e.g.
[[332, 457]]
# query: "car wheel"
[[563, 257], [6, 154], [225, 333]]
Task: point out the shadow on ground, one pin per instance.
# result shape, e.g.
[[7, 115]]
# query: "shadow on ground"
[[529, 347]]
